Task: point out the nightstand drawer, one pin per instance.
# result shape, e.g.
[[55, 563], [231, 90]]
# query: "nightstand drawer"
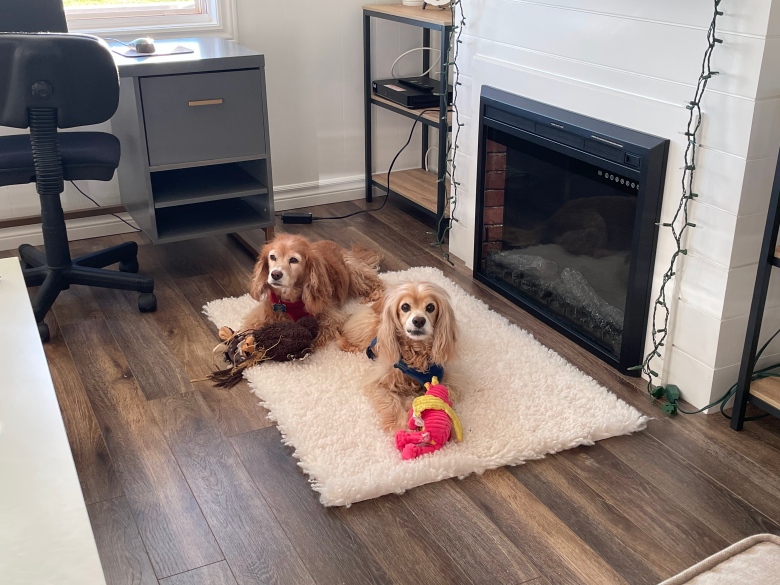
[[203, 116]]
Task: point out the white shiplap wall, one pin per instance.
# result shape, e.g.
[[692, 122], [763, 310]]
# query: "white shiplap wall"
[[636, 64]]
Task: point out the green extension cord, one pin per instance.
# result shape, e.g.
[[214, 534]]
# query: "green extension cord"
[[672, 392]]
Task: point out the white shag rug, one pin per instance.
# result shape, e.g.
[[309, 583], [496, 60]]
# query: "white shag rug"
[[526, 402]]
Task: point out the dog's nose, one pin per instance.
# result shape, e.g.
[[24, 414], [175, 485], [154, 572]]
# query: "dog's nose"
[[276, 274], [418, 322]]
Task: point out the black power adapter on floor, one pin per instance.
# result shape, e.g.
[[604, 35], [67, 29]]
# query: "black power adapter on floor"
[[296, 217]]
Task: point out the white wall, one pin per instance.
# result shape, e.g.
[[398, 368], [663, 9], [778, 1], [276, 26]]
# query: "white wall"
[[314, 74], [636, 64], [314, 69]]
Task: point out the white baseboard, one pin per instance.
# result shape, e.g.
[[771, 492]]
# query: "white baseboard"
[[319, 192], [78, 229], [285, 197]]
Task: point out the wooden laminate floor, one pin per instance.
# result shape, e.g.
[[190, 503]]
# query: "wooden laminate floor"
[[188, 484]]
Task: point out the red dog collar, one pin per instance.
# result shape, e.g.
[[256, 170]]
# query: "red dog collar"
[[294, 310]]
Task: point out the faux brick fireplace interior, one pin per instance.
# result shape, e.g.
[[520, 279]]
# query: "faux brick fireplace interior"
[[493, 206], [566, 214]]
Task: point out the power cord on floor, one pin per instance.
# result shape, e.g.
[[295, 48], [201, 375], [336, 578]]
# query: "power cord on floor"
[[308, 218], [672, 392], [98, 205]]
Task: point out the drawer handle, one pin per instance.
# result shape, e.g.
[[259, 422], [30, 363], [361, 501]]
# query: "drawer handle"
[[205, 102]]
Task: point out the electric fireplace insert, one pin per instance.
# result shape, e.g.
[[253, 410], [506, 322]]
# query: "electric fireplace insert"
[[566, 220]]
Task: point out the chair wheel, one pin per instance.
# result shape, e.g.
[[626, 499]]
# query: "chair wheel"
[[147, 303], [43, 331], [128, 266]]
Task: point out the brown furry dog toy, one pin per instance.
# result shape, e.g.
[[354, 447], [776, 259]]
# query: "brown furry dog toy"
[[280, 342]]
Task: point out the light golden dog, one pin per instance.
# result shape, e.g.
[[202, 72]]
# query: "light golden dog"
[[413, 324], [294, 276]]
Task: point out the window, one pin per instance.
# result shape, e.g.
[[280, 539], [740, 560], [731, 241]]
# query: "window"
[[147, 16]]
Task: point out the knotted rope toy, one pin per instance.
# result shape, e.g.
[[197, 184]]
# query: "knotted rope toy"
[[280, 342], [432, 422]]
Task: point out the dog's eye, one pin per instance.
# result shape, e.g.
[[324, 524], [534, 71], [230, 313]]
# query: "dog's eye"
[[430, 308], [272, 258], [293, 260], [406, 308]]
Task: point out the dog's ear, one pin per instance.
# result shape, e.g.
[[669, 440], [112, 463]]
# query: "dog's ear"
[[388, 347], [258, 285], [445, 331], [317, 287]]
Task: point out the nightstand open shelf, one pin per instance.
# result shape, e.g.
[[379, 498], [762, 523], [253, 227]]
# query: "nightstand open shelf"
[[212, 217], [425, 190], [201, 184]]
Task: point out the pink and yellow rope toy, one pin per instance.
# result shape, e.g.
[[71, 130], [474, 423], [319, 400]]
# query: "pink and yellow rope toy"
[[432, 422]]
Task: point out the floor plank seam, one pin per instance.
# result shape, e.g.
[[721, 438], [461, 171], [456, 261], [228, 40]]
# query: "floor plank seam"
[[271, 508], [197, 568], [718, 483]]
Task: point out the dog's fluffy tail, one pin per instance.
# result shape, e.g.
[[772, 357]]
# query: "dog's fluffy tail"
[[370, 257]]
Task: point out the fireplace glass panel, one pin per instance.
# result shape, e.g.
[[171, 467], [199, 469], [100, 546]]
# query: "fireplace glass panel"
[[559, 231]]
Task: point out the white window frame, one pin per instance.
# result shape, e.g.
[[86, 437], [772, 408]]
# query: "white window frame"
[[214, 17]]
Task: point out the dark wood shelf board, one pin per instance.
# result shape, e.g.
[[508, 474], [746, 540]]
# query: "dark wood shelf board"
[[429, 118], [201, 184]]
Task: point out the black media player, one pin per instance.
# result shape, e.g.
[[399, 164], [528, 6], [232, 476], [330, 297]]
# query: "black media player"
[[411, 92]]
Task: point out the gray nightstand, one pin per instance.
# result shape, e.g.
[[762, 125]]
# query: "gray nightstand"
[[194, 134]]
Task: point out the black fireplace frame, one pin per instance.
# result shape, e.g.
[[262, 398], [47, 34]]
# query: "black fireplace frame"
[[608, 146]]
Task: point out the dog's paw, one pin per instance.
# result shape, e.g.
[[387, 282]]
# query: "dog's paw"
[[320, 341], [345, 345]]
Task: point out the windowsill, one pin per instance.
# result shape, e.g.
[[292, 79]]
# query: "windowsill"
[[128, 34], [221, 22]]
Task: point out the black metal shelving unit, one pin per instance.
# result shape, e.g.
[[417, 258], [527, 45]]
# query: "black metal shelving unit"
[[763, 393], [424, 190]]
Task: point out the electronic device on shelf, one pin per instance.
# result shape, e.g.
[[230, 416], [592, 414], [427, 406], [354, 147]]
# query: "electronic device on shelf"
[[410, 92]]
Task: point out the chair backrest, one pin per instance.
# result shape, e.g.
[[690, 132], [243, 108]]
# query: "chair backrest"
[[32, 16], [77, 73]]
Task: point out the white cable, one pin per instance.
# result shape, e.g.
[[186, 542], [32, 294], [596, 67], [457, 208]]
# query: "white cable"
[[426, 155], [392, 67]]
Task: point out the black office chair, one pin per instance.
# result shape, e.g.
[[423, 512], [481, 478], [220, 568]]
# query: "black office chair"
[[50, 81]]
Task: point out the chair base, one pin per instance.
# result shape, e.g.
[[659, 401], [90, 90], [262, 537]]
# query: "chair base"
[[88, 271]]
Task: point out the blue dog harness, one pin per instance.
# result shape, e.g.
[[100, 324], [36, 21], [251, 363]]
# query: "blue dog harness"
[[422, 377]]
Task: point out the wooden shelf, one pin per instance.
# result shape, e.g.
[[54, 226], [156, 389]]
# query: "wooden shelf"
[[767, 390], [201, 184], [431, 15], [417, 185], [431, 117]]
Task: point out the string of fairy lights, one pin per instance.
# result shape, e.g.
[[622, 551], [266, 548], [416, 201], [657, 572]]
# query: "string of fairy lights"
[[451, 60], [678, 226]]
